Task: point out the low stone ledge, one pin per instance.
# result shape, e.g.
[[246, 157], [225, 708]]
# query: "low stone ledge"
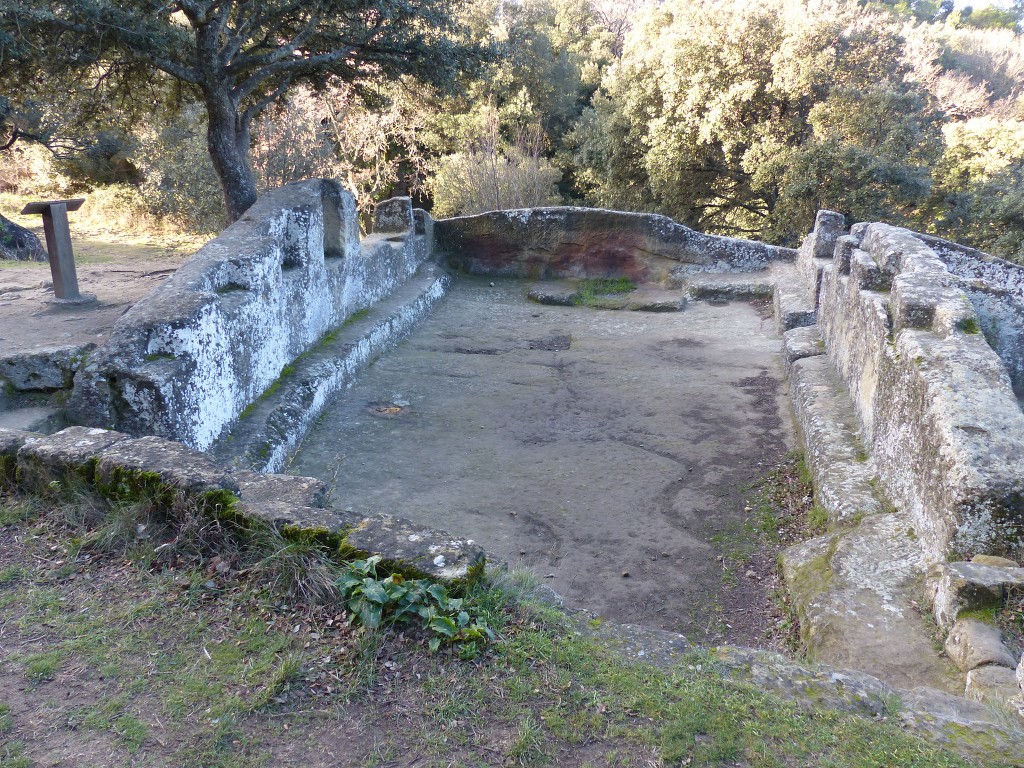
[[991, 684], [590, 242], [11, 441], [44, 370], [843, 475], [957, 587], [121, 467], [435, 553], [72, 451], [855, 594], [972, 643], [799, 343], [793, 306], [129, 466]]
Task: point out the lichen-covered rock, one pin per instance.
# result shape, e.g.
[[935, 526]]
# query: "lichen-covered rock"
[[72, 451], [933, 400], [957, 587], [588, 242], [991, 684], [999, 562], [854, 592], [972, 643], [187, 360], [799, 343], [1020, 673], [434, 553], [128, 467], [11, 441], [393, 215], [844, 476], [18, 243], [971, 728], [288, 502], [45, 369]]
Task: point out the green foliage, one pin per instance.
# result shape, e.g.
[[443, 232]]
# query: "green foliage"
[[375, 602], [747, 118], [40, 667], [236, 58], [492, 174], [980, 186]]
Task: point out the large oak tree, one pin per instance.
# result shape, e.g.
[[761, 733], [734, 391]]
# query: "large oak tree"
[[239, 57]]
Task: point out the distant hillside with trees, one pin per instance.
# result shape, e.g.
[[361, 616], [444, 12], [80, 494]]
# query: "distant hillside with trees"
[[732, 117]]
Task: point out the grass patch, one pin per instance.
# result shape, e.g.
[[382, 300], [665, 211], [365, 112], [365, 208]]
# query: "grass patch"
[[6, 721], [193, 663], [591, 289], [40, 667], [11, 756]]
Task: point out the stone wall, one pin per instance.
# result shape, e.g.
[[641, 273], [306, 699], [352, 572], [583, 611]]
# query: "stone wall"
[[590, 242], [996, 290], [936, 408], [188, 359]]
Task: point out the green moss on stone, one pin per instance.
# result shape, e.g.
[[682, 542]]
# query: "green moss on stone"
[[969, 325]]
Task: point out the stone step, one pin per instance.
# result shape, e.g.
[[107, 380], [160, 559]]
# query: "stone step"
[[270, 430], [794, 305], [731, 286], [45, 419], [843, 474], [799, 343], [856, 589]]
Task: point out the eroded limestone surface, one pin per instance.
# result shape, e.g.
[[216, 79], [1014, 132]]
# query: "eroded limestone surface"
[[587, 444]]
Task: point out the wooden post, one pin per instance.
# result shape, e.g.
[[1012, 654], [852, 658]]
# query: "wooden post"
[[58, 245]]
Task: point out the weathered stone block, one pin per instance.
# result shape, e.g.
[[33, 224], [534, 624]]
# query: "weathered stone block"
[[129, 467], [188, 359], [845, 247], [866, 273], [828, 227], [544, 243], [393, 215], [799, 343], [45, 369], [999, 562], [434, 553], [961, 586], [972, 643], [11, 441], [18, 243], [992, 685], [72, 451], [254, 489]]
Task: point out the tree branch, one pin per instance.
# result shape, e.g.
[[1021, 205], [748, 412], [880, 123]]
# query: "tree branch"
[[293, 67]]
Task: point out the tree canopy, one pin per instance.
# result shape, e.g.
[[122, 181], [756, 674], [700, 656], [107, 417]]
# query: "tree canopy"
[[239, 57]]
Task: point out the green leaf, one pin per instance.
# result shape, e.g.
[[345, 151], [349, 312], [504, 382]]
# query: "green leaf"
[[373, 590], [434, 644], [463, 619], [438, 592], [369, 613], [442, 625]]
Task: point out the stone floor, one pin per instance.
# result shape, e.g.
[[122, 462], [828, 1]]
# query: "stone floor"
[[607, 450]]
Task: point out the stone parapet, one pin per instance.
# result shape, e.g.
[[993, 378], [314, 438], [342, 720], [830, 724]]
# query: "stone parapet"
[[574, 242], [935, 404], [187, 360]]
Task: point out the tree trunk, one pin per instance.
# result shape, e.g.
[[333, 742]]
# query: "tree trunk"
[[229, 150]]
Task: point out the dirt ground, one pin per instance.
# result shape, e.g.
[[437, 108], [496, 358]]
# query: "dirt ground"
[[118, 270], [612, 452]]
